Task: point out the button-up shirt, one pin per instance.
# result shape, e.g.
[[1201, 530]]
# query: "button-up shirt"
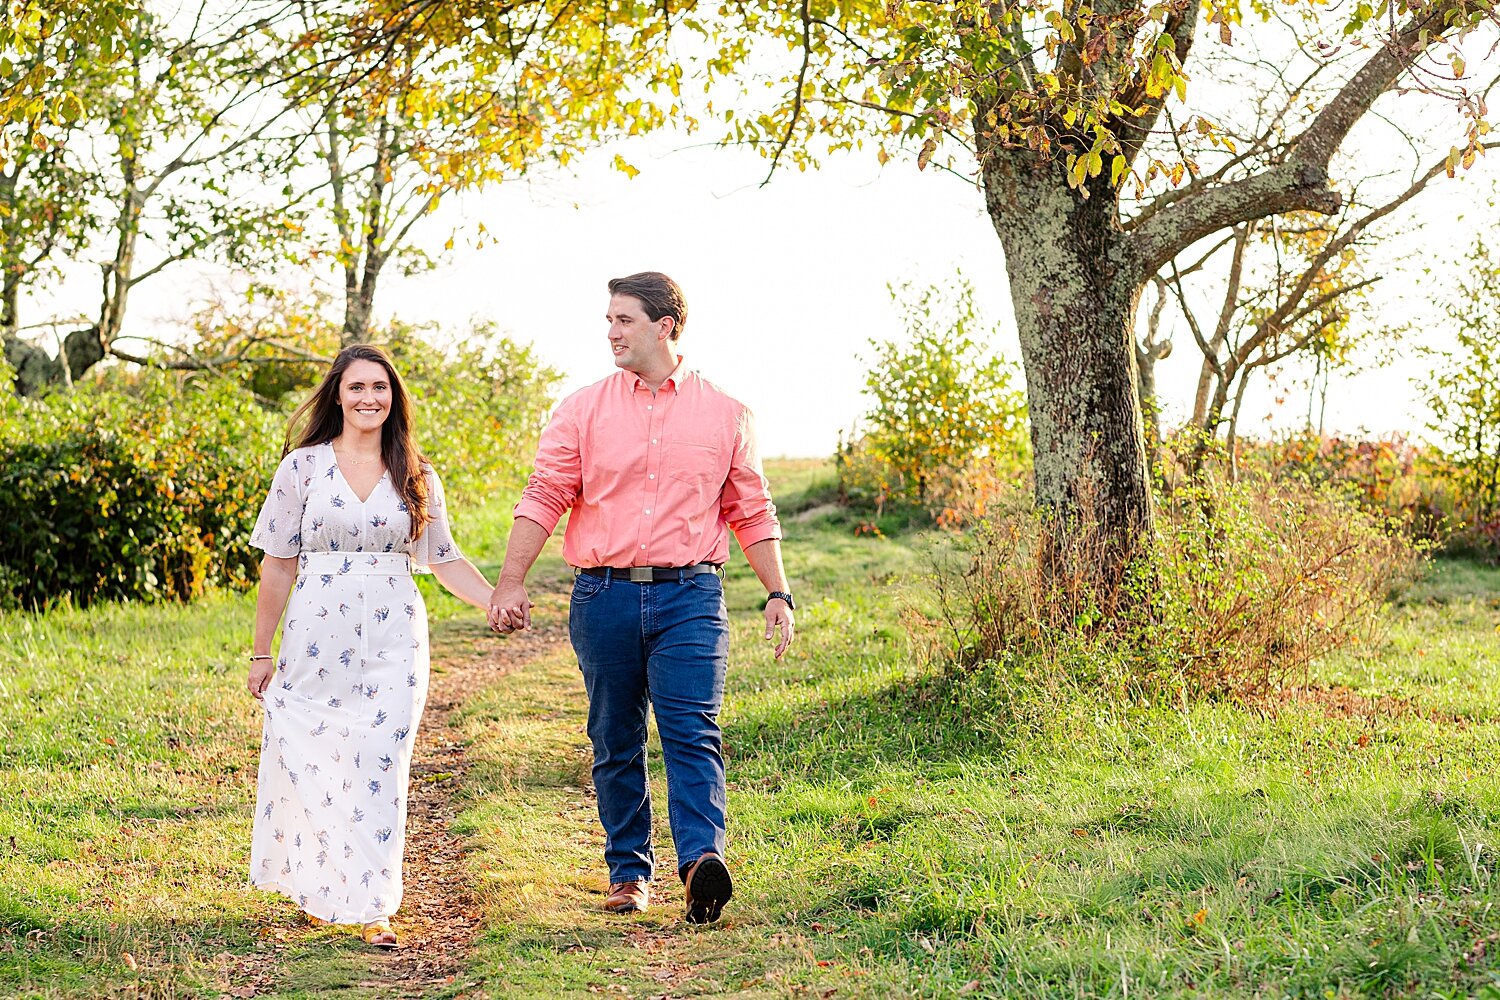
[[653, 479]]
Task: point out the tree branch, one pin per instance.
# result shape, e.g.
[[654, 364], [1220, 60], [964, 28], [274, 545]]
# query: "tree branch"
[[1301, 182], [791, 125], [1181, 25]]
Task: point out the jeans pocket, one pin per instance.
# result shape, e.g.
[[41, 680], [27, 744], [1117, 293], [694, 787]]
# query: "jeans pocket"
[[586, 587], [707, 582]]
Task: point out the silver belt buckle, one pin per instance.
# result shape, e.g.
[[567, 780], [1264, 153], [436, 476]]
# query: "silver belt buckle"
[[642, 574]]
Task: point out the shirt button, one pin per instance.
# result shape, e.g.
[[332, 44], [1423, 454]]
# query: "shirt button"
[[651, 476], [653, 440], [643, 546], [648, 510], [648, 406]]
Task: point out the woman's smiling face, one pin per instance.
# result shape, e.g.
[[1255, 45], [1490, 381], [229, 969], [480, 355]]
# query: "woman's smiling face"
[[365, 395]]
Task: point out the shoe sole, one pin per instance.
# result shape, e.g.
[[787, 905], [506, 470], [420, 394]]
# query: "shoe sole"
[[708, 889], [627, 908]]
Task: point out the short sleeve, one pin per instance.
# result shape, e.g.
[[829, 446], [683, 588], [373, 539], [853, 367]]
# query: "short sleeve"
[[278, 529], [436, 544]]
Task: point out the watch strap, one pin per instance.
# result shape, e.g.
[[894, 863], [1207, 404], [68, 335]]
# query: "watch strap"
[[784, 596]]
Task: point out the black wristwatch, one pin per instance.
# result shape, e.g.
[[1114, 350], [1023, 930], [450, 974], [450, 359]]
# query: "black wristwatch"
[[784, 596]]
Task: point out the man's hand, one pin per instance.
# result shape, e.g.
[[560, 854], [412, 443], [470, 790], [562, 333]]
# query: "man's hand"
[[510, 607], [779, 616]]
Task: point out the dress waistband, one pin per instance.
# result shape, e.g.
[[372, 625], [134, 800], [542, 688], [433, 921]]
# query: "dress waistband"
[[355, 563]]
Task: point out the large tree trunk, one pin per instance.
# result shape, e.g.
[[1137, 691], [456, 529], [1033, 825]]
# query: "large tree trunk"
[[1075, 290]]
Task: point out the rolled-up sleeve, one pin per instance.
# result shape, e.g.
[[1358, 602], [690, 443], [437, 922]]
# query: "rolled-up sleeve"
[[557, 475], [746, 501]]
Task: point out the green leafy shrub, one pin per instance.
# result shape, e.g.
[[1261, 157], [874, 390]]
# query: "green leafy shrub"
[[480, 403], [1388, 476], [1247, 583], [132, 487], [947, 425], [142, 485], [480, 408]]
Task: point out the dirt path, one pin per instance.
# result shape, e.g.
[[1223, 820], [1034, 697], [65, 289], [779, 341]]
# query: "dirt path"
[[438, 920]]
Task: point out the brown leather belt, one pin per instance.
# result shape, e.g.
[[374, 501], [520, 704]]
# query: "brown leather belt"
[[646, 574]]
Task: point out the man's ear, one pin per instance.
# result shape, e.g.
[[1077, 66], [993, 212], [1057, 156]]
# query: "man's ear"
[[666, 331]]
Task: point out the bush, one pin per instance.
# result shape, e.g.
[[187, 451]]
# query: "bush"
[[1246, 585], [1387, 476], [479, 406], [947, 426], [132, 487], [146, 486], [1463, 390], [480, 409]]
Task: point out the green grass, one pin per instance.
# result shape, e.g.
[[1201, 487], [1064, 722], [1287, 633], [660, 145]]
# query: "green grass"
[[895, 829], [900, 831], [127, 780]]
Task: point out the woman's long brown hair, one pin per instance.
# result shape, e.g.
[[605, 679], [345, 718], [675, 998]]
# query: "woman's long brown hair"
[[324, 421]]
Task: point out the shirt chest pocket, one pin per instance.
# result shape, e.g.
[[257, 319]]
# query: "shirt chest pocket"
[[698, 464]]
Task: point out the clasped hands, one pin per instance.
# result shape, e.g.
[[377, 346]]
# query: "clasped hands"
[[509, 608]]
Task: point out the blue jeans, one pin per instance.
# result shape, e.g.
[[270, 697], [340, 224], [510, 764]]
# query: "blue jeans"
[[666, 643]]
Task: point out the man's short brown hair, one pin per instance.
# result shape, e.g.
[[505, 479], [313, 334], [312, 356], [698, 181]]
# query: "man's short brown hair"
[[658, 294]]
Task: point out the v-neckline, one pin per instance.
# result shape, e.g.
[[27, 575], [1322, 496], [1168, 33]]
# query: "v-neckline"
[[340, 470]]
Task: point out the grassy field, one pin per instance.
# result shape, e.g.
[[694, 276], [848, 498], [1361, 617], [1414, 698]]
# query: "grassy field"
[[895, 829]]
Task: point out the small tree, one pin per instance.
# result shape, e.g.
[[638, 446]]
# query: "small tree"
[[941, 405], [1464, 388]]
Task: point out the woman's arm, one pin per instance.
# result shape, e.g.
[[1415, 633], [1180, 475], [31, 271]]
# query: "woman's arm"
[[276, 578], [463, 580]]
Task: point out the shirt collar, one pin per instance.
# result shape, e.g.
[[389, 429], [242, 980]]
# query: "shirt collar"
[[674, 380]]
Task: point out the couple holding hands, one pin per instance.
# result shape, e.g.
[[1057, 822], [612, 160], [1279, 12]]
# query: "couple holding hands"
[[656, 465]]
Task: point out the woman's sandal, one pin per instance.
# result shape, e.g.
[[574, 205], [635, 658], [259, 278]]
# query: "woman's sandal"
[[378, 933]]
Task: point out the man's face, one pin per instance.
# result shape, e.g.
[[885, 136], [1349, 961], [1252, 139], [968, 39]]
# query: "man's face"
[[637, 342]]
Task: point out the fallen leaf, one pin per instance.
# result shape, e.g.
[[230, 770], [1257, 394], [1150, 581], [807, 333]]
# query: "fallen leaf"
[[129, 960]]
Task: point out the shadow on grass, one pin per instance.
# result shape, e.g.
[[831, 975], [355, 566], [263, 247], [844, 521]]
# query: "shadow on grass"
[[944, 717], [172, 812]]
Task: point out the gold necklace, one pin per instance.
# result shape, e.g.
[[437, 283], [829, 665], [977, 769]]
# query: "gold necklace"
[[363, 461]]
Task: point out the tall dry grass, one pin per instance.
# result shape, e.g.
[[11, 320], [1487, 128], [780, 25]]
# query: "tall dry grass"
[[1243, 586]]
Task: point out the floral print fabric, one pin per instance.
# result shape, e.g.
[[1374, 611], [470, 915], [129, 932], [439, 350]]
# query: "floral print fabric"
[[342, 710]]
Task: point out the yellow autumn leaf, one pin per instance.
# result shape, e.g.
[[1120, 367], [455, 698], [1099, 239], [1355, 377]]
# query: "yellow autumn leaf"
[[1116, 170], [624, 167]]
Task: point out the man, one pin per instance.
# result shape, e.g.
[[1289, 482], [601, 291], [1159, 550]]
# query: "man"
[[655, 463]]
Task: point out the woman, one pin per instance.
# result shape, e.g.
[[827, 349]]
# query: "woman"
[[353, 511]]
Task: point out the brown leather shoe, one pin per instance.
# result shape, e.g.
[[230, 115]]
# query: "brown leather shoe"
[[708, 888], [628, 897]]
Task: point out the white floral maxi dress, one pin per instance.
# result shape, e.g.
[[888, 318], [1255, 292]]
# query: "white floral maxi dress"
[[351, 679]]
